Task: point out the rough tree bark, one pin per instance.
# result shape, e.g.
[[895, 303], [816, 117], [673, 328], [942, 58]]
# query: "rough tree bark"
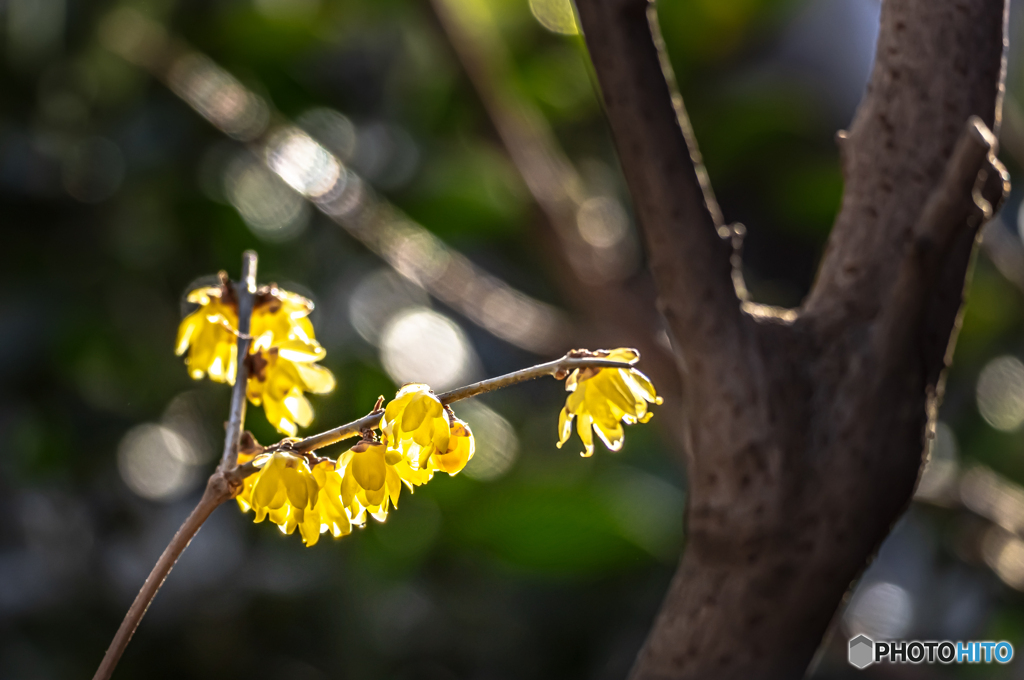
[[807, 427]]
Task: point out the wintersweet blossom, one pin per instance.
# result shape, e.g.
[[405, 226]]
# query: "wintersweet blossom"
[[209, 336], [416, 425], [282, 357], [603, 399], [278, 384], [370, 481], [293, 495], [461, 447], [284, 490], [280, 319], [333, 515]]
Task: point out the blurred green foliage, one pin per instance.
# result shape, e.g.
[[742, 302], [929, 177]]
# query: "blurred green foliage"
[[554, 570]]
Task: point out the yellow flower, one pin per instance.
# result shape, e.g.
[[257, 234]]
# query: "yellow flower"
[[278, 383], [209, 336], [333, 515], [279, 319], [282, 359], [370, 481], [604, 398], [416, 425], [373, 475], [282, 356], [292, 495], [286, 491], [461, 446]]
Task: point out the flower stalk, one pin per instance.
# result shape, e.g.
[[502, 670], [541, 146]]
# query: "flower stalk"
[[558, 368], [219, 488], [245, 290]]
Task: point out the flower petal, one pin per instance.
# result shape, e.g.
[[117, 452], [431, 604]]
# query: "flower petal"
[[369, 468], [316, 378]]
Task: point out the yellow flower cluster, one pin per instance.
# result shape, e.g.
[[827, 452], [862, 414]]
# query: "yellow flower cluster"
[[282, 357], [291, 494], [603, 399], [419, 437]]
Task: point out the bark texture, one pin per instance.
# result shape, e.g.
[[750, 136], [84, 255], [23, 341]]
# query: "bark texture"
[[807, 427]]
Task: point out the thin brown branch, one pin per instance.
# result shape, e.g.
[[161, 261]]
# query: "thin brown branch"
[[961, 195], [219, 488], [558, 368], [245, 291]]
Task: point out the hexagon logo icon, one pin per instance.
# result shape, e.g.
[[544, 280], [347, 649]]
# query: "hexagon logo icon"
[[862, 651]]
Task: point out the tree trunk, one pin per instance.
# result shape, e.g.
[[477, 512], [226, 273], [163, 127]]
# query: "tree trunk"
[[806, 428]]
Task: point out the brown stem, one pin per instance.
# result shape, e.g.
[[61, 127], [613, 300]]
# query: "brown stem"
[[245, 290], [218, 490], [371, 420]]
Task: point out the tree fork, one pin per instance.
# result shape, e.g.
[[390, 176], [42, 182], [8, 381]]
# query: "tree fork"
[[807, 429]]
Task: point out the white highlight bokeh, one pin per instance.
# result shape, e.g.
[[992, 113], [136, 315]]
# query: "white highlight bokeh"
[[420, 345], [497, 445], [156, 462], [1001, 393]]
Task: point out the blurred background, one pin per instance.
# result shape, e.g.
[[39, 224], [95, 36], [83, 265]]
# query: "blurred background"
[[437, 176]]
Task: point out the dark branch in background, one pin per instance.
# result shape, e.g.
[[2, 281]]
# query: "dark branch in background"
[[617, 303], [219, 488], [807, 430], [336, 190]]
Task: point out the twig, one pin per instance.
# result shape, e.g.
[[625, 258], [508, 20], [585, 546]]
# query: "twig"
[[245, 289], [217, 491], [372, 420], [219, 488]]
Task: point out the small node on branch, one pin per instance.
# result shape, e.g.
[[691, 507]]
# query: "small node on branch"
[[955, 202]]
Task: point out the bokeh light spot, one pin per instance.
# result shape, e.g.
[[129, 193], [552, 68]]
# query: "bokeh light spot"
[[420, 345], [306, 166], [557, 16], [1001, 393], [496, 443], [602, 222], [272, 210], [376, 300], [881, 610], [156, 462]]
